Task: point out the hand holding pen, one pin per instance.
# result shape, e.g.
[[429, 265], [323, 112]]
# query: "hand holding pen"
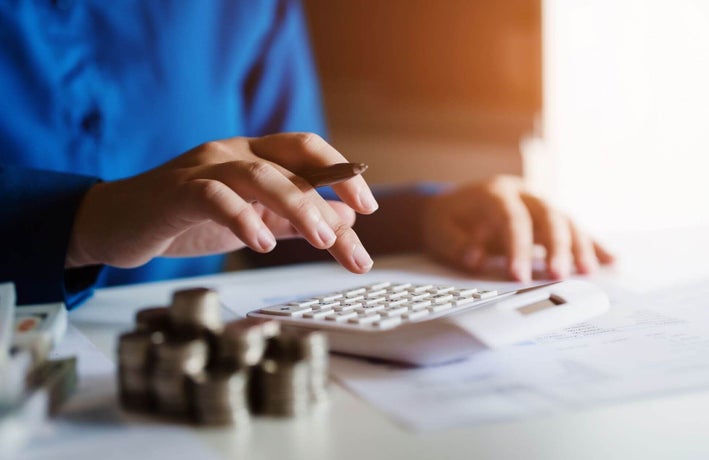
[[222, 196]]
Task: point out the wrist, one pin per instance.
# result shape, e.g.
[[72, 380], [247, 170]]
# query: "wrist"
[[78, 254]]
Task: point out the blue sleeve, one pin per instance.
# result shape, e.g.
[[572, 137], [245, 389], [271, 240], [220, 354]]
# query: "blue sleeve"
[[282, 91], [37, 211]]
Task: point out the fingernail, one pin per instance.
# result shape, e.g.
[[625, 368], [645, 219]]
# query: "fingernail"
[[361, 257], [325, 233], [367, 201], [559, 267], [587, 266], [522, 270], [266, 240]]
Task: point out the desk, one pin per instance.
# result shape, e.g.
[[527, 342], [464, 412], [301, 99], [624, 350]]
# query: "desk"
[[670, 427]]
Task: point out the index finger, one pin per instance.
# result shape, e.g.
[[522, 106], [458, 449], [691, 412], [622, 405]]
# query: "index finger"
[[518, 232], [302, 151]]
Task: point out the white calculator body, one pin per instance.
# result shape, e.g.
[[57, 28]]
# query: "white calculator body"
[[424, 324]]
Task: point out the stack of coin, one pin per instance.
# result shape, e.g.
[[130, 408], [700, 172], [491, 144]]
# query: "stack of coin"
[[281, 380], [134, 357], [312, 347], [182, 361], [176, 359], [219, 398]]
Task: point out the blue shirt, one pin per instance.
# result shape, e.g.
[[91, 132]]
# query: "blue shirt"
[[100, 90]]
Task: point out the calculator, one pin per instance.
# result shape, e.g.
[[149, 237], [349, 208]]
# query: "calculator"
[[425, 324]]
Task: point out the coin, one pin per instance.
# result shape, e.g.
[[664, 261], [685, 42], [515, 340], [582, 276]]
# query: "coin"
[[134, 348], [194, 310], [243, 342], [153, 319]]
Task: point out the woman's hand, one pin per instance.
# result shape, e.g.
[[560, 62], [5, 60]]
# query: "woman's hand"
[[499, 216], [222, 196]]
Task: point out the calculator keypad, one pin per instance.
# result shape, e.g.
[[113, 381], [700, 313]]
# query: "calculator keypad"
[[381, 305]]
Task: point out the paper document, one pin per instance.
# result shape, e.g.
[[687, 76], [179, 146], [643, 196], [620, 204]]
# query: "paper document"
[[647, 345]]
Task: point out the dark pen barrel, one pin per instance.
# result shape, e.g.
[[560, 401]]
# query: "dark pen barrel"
[[333, 174]]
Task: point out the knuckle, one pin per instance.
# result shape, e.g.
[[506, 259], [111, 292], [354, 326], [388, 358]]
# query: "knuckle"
[[215, 147], [301, 207], [243, 216], [340, 228], [259, 171], [206, 190], [308, 141]]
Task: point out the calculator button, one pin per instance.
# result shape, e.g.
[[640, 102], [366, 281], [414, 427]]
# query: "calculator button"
[[378, 293], [394, 311], [441, 289], [414, 315], [440, 307], [422, 295], [422, 288], [326, 305], [397, 295], [421, 304], [370, 308], [464, 301], [341, 316], [355, 298], [365, 319], [286, 310], [381, 285], [467, 292], [441, 298], [394, 303], [485, 294], [320, 314], [374, 301], [388, 322], [332, 297], [347, 306], [306, 303], [355, 292]]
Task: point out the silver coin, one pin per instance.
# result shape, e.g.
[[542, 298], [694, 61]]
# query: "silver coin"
[[196, 309], [177, 355], [242, 343], [170, 393], [135, 348], [153, 319]]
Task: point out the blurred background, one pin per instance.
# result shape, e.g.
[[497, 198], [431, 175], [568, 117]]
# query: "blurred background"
[[602, 105]]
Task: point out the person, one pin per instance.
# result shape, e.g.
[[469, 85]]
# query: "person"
[[100, 100]]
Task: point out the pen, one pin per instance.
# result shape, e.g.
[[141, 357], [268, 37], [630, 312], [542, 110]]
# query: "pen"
[[333, 174]]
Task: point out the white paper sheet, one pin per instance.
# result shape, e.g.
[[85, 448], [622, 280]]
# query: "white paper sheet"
[[645, 346]]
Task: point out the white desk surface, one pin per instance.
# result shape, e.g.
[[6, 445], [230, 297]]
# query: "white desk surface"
[[671, 427]]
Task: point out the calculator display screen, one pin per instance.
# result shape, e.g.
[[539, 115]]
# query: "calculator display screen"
[[539, 306]]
